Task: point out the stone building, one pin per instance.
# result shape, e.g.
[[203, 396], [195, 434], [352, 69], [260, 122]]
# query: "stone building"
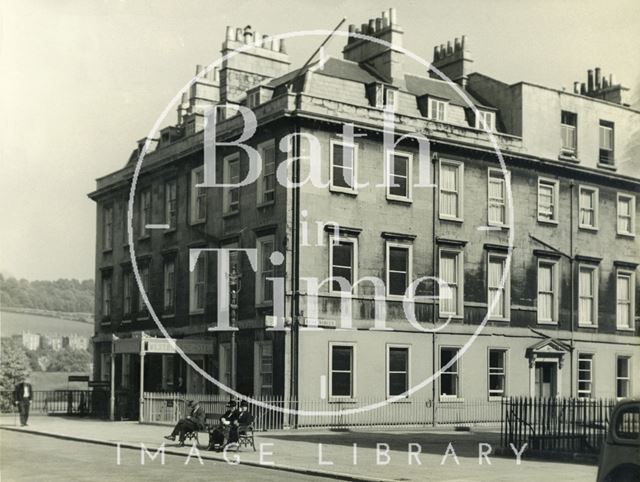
[[564, 323]]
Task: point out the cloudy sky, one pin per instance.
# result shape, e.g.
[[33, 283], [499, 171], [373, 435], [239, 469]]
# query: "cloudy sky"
[[81, 80]]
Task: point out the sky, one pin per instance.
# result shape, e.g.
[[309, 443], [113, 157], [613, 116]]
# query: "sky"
[[82, 80]]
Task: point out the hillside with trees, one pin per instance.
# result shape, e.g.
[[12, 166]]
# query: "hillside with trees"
[[63, 295]]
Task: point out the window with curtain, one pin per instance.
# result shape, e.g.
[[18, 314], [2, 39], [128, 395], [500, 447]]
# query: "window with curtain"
[[588, 206], [547, 200], [171, 204], [497, 200], [450, 303], [587, 288], [438, 110], [232, 176], [496, 269], [265, 270], [626, 214], [267, 181], [198, 196], [606, 142], [197, 286], [547, 292], [450, 192], [624, 300]]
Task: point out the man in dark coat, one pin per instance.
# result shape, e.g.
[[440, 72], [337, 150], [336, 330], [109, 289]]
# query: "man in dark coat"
[[22, 396], [193, 422], [241, 420]]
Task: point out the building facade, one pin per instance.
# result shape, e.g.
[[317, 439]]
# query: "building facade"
[[548, 245]]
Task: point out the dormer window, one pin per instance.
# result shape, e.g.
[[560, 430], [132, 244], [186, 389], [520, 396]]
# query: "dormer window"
[[381, 96], [437, 109], [390, 95], [486, 120], [253, 99]]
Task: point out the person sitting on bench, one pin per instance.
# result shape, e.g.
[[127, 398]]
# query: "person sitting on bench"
[[193, 422], [243, 418]]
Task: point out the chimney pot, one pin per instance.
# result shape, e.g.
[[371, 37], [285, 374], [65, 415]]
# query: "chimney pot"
[[436, 53], [352, 28], [589, 81], [364, 29], [283, 48], [598, 79], [576, 87], [612, 79], [257, 38], [456, 45], [392, 16], [238, 35], [463, 42], [605, 82], [583, 89], [372, 25], [275, 45], [198, 69], [378, 24], [248, 34], [449, 48], [266, 42], [229, 33]]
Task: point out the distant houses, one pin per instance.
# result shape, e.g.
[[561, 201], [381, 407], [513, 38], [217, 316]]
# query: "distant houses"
[[33, 341]]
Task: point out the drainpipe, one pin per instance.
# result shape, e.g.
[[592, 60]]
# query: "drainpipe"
[[434, 160], [573, 291], [295, 271]]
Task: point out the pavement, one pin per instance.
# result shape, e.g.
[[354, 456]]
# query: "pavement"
[[363, 455]]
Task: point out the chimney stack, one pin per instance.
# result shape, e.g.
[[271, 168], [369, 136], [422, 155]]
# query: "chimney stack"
[[600, 87], [244, 70], [454, 60], [384, 59]]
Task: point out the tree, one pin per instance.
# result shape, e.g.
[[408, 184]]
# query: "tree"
[[14, 367]]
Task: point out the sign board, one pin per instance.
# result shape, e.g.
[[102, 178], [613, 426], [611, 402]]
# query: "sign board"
[[78, 378], [99, 384]]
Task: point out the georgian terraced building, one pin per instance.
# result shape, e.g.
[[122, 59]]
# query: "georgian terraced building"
[[564, 324]]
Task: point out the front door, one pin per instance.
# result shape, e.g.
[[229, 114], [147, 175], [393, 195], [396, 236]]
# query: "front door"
[[546, 382]]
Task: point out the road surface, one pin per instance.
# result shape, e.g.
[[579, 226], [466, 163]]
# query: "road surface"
[[27, 457]]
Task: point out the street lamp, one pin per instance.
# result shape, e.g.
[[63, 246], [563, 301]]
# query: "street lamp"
[[235, 285]]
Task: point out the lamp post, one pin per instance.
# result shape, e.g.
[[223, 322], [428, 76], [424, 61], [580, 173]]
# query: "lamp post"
[[235, 285]]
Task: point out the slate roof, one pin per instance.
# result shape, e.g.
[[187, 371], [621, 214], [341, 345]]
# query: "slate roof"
[[347, 70]]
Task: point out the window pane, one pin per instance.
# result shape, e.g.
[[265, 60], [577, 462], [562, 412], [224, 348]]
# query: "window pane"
[[341, 358], [341, 384], [397, 383], [398, 359]]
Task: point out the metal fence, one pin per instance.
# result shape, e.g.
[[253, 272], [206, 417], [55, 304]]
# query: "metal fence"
[[170, 407], [60, 402], [556, 424]]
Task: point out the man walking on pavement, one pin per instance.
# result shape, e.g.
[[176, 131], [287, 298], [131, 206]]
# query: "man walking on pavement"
[[22, 396]]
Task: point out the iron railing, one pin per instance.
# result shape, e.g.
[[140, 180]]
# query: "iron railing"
[[570, 425]]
